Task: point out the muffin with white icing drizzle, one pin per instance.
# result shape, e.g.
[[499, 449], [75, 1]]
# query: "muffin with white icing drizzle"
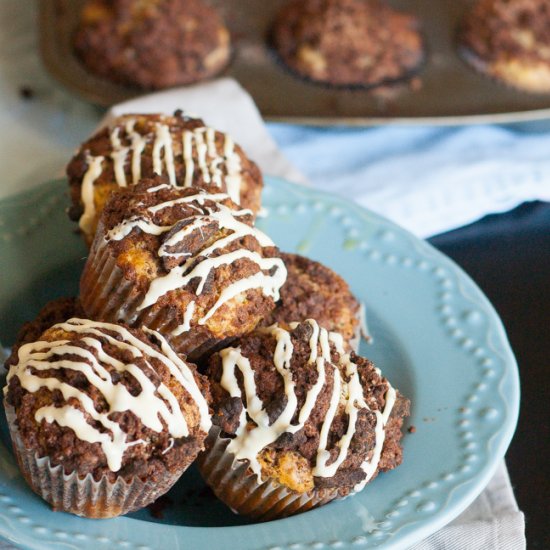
[[186, 262], [104, 419], [133, 147], [297, 422], [314, 291]]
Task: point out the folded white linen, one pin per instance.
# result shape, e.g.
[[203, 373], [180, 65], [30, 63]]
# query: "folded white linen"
[[492, 522], [427, 179]]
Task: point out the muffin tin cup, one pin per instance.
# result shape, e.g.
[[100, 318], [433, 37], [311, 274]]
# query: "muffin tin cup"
[[239, 488], [107, 295], [399, 84], [82, 496]]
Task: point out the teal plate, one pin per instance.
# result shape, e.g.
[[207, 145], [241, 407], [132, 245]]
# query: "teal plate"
[[436, 337]]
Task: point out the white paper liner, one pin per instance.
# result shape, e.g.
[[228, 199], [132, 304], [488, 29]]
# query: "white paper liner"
[[83, 496], [238, 487], [106, 295]]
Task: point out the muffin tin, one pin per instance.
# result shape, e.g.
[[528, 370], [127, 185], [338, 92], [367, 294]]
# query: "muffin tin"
[[451, 92]]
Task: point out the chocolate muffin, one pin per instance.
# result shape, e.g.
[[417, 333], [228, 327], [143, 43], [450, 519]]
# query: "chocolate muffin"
[[152, 44], [140, 146], [185, 262], [509, 41], [104, 419], [297, 422], [348, 42], [314, 291]]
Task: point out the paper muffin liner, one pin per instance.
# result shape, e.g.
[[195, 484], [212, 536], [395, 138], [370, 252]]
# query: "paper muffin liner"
[[239, 488], [107, 295], [82, 496]]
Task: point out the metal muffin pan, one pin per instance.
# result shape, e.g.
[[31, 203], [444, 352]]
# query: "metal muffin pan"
[[450, 92]]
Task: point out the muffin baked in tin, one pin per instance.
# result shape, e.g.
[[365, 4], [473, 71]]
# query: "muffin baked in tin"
[[152, 44], [349, 43], [509, 41]]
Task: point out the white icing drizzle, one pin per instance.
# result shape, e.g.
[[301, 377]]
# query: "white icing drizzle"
[[211, 142], [323, 455], [347, 392], [202, 153], [186, 325], [163, 142], [200, 264], [369, 465], [354, 402], [210, 162], [138, 145], [233, 166], [200, 197], [127, 226], [172, 440], [185, 377], [86, 222], [158, 188], [151, 405], [119, 157], [188, 158], [201, 141], [249, 442]]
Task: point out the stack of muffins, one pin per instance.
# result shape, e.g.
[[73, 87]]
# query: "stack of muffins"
[[193, 339]]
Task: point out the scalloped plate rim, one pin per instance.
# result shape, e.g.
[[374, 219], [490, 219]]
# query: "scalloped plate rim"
[[452, 506]]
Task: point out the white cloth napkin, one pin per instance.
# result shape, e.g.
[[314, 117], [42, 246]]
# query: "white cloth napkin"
[[427, 179], [492, 521]]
